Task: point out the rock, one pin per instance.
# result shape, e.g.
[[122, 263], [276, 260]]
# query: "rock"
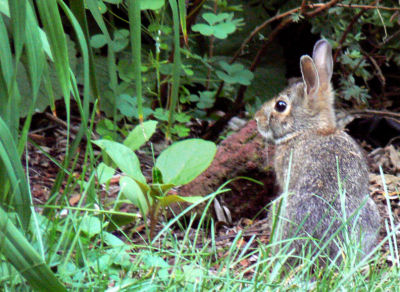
[[241, 154]]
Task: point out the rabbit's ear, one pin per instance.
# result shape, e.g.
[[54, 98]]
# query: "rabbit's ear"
[[310, 75], [322, 56]]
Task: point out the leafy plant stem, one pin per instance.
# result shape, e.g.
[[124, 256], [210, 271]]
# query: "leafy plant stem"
[[154, 211], [176, 69], [211, 49], [136, 44]]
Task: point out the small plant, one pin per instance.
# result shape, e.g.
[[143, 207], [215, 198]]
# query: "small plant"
[[177, 165], [219, 25]]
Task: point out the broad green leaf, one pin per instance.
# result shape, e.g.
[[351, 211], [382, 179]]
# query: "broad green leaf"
[[90, 226], [140, 135], [151, 4], [212, 18], [219, 25], [154, 261], [123, 157], [104, 173], [98, 40], [222, 30], [126, 104], [131, 190], [120, 40], [204, 29], [112, 240], [168, 200], [183, 161]]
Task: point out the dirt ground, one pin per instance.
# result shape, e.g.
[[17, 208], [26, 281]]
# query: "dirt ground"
[[243, 154]]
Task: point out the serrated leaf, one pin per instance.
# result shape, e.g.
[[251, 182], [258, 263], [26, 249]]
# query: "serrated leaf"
[[235, 73], [183, 161], [123, 157], [140, 135], [206, 100]]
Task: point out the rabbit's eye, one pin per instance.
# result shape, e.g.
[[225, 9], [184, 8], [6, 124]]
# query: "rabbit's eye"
[[280, 106]]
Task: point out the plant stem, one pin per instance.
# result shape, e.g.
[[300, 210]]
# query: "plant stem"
[[176, 69], [136, 44]]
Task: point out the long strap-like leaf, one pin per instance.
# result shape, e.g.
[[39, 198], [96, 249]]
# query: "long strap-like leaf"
[[19, 198], [20, 253]]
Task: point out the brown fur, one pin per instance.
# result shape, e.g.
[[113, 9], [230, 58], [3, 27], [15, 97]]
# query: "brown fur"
[[305, 133]]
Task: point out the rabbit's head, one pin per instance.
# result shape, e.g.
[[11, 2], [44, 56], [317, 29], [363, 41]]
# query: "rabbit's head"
[[305, 105]]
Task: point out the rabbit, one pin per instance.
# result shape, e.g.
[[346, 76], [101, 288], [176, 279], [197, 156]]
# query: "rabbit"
[[300, 121]]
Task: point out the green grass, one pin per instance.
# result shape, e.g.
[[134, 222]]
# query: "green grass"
[[86, 257]]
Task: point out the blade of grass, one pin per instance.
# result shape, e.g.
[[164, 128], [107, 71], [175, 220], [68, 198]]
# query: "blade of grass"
[[51, 19], [16, 176], [94, 9], [10, 92], [78, 8], [84, 109], [50, 16], [176, 68], [36, 61], [84, 49], [20, 253], [136, 44], [111, 60], [182, 18], [18, 18]]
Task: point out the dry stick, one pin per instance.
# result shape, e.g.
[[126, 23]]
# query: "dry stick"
[[322, 7], [379, 73], [358, 6], [218, 125], [375, 112]]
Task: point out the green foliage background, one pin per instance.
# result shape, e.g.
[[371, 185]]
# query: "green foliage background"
[[114, 64]]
